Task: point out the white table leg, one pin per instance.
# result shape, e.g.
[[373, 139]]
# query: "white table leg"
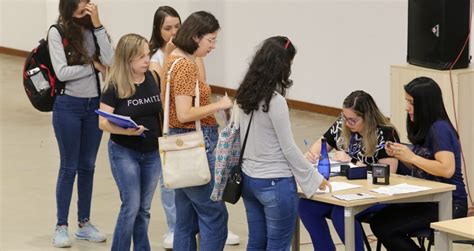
[[445, 212], [442, 241], [349, 228], [445, 206]]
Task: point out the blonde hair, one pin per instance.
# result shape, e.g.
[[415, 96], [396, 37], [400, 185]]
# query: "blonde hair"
[[362, 104], [120, 76]]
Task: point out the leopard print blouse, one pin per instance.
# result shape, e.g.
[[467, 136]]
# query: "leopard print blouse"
[[183, 83]]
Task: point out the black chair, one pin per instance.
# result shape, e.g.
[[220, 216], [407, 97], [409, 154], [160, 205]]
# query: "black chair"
[[421, 236], [366, 240], [366, 219]]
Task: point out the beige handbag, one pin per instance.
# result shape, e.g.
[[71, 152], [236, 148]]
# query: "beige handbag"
[[183, 156]]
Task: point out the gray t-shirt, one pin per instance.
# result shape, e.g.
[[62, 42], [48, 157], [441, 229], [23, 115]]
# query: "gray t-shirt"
[[80, 79], [271, 151]]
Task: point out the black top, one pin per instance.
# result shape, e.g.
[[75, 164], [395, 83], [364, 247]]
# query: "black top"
[[144, 108], [356, 150]]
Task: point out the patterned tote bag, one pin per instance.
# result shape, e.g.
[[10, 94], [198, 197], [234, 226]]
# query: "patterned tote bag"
[[227, 153]]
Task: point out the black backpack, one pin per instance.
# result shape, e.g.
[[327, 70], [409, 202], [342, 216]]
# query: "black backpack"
[[39, 80]]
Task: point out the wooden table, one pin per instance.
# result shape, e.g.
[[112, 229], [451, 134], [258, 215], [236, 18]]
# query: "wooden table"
[[449, 230], [439, 192]]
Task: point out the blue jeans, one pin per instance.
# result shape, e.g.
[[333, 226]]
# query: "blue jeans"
[[78, 135], [196, 212], [271, 206], [313, 214], [167, 200], [136, 175]]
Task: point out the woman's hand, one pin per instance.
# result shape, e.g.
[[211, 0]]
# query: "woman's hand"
[[313, 158], [101, 68], [325, 184], [93, 12], [225, 103], [135, 131], [400, 151], [341, 156], [389, 149], [169, 47]]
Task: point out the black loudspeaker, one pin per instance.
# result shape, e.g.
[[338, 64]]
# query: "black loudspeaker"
[[437, 31]]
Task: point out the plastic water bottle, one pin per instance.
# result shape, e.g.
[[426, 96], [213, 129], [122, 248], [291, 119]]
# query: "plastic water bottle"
[[324, 166], [38, 80]]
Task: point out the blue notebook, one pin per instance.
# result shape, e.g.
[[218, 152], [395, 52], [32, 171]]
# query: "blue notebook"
[[119, 120]]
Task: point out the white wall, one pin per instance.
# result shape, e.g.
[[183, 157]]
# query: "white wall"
[[342, 45]]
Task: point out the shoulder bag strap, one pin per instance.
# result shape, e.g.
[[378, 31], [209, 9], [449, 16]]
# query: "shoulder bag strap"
[[235, 115], [97, 54], [60, 86], [196, 104], [245, 143], [166, 117], [158, 83]]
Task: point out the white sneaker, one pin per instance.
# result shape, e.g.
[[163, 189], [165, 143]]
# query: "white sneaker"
[[61, 237], [168, 241], [89, 232], [232, 239]]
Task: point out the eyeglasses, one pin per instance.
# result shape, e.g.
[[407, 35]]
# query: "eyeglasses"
[[210, 40], [350, 121]]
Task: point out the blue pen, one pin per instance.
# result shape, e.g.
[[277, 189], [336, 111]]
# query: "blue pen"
[[306, 143]]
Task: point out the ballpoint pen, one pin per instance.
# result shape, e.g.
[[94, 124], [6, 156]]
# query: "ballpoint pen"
[[306, 144]]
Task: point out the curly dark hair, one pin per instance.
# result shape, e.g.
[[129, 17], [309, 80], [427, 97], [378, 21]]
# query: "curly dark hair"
[[156, 40], [77, 53], [268, 72]]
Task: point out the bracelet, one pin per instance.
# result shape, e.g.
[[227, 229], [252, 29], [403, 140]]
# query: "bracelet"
[[99, 28]]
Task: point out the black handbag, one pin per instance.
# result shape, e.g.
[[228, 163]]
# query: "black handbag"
[[233, 188]]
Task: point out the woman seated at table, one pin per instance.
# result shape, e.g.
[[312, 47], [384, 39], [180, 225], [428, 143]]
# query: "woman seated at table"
[[359, 136], [435, 155]]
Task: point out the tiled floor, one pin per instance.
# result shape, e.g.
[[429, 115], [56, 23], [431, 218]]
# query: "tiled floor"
[[29, 166]]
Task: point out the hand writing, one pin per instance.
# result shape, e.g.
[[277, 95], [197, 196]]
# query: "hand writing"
[[325, 184]]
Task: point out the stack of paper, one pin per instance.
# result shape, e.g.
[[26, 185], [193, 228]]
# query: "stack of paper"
[[338, 186], [400, 189], [354, 196]]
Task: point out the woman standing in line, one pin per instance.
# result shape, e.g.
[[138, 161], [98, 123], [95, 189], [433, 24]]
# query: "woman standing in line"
[[131, 91], [435, 155], [272, 163], [166, 24], [76, 63], [195, 211]]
